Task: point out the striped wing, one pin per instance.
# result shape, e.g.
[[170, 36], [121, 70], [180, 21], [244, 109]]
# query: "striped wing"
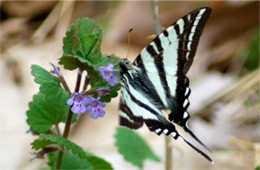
[[155, 90], [170, 55]]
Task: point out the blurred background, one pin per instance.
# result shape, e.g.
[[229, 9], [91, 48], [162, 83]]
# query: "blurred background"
[[224, 77]]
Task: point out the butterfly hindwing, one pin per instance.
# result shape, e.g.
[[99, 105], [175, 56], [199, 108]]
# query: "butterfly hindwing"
[[134, 105]]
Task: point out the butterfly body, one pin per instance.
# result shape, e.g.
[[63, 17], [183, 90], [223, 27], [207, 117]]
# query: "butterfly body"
[[155, 88]]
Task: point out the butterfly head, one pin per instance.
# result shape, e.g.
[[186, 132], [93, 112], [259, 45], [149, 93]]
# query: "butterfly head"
[[125, 66]]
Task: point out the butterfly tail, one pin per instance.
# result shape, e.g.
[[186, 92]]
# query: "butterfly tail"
[[195, 137], [196, 149]]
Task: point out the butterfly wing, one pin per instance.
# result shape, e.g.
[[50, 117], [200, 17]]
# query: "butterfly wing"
[[171, 54], [156, 90], [168, 58], [177, 44]]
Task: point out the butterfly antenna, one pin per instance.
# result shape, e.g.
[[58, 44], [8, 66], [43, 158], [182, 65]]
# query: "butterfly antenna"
[[196, 138], [196, 149], [128, 42]]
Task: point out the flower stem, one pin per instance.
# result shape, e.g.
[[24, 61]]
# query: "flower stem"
[[64, 84], [91, 91], [78, 80], [57, 129], [86, 82], [68, 123]]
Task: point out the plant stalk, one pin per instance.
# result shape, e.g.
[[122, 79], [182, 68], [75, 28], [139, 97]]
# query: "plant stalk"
[[86, 82], [168, 148], [68, 123], [168, 153], [64, 84], [157, 25], [57, 129]]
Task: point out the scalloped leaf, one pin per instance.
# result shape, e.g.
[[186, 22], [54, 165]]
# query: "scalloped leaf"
[[96, 162], [133, 148], [70, 62], [49, 105], [49, 83], [82, 41], [81, 48], [42, 113]]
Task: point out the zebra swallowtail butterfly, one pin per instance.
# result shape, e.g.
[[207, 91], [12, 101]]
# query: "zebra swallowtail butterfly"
[[155, 89]]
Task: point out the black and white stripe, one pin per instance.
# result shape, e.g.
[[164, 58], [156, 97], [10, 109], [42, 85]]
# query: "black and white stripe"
[[155, 88]]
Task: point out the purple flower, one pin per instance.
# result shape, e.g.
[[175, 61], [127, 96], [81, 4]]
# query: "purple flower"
[[79, 103], [109, 74], [96, 107], [55, 70], [82, 104]]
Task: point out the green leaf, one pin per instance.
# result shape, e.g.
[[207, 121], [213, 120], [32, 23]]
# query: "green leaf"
[[69, 161], [49, 83], [70, 62], [49, 105], [99, 163], [81, 48], [82, 41], [96, 162], [42, 76], [133, 148], [42, 113], [51, 139]]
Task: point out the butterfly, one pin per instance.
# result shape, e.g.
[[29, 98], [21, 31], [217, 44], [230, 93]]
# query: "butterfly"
[[155, 88]]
